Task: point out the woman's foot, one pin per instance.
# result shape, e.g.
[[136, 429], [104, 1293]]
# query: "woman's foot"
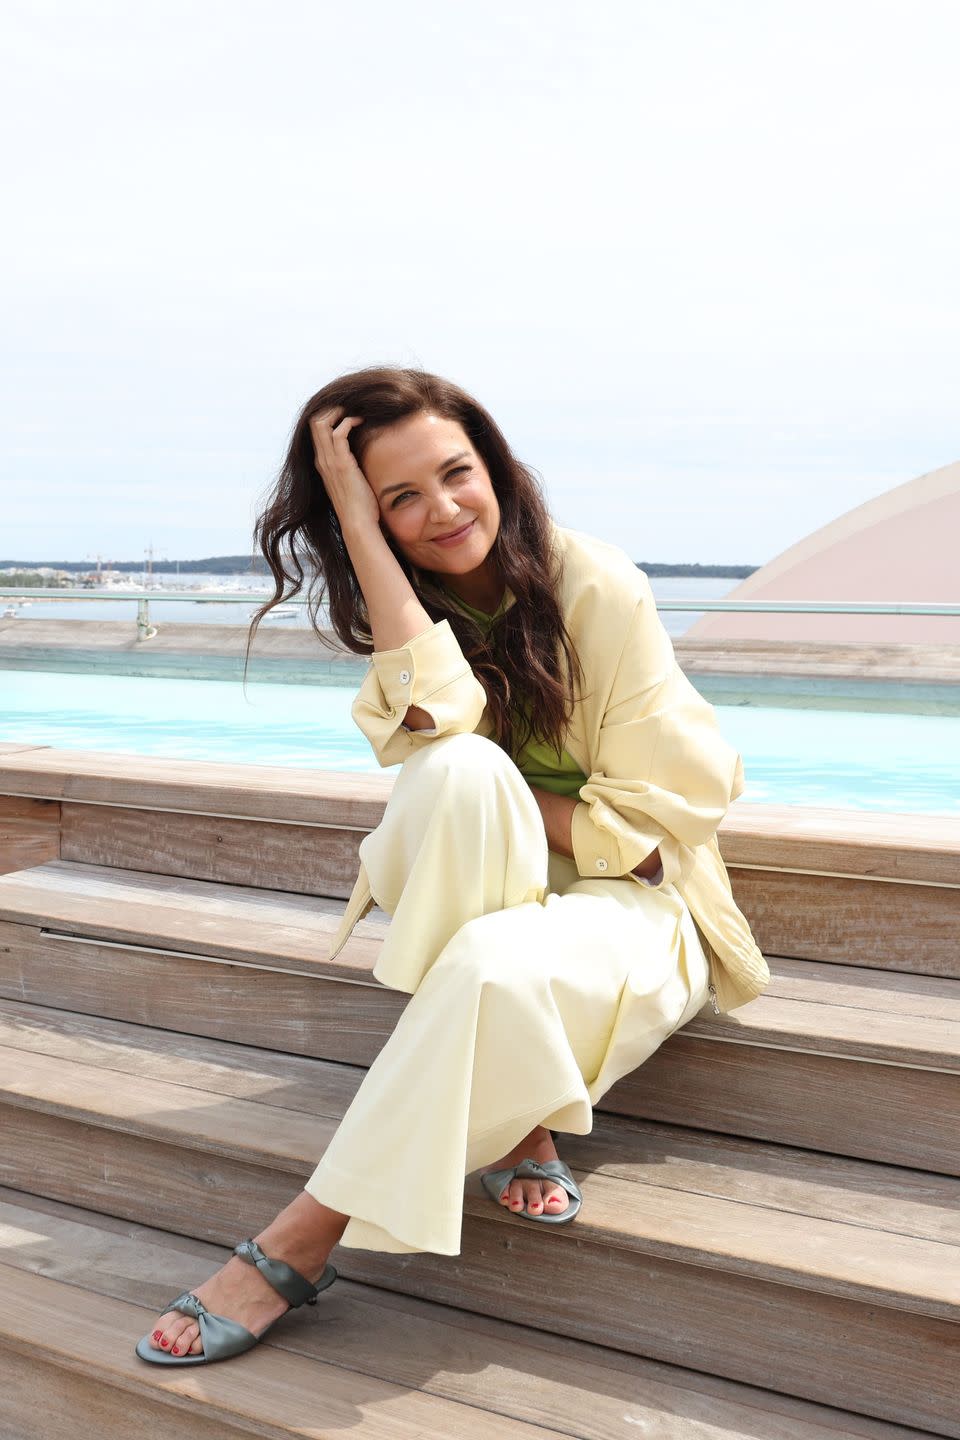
[[535, 1196], [303, 1235]]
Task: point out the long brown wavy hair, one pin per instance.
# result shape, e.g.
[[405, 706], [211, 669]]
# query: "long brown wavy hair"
[[527, 663]]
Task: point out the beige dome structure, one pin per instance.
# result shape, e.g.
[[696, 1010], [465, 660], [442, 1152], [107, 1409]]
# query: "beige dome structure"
[[904, 545]]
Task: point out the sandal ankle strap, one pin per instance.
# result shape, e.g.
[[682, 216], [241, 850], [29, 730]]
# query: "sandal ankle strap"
[[288, 1282]]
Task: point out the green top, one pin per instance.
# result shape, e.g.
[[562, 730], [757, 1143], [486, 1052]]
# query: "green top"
[[537, 761]]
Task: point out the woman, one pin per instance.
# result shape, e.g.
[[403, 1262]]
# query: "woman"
[[547, 856]]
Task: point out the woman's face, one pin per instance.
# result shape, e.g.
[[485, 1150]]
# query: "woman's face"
[[431, 484]]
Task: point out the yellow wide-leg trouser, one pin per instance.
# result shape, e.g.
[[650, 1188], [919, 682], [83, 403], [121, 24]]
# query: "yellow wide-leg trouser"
[[532, 991]]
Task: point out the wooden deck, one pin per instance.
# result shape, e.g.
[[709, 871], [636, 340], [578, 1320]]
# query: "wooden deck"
[[769, 1245]]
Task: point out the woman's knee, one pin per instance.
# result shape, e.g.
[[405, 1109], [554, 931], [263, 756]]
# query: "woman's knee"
[[468, 761]]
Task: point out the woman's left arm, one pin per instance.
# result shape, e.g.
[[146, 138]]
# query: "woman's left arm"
[[663, 775], [557, 812]]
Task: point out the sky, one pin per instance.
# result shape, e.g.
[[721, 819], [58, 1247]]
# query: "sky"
[[698, 259]]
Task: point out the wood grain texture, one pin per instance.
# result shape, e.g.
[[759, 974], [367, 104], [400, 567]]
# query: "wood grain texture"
[[887, 1362], [886, 1266], [268, 792], [743, 1074], [842, 1010], [299, 1012], [876, 1361], [897, 1116], [304, 859], [227, 921], [828, 1024], [853, 842], [574, 1387], [898, 846], [793, 1180], [863, 989], [887, 926], [57, 1394], [29, 832], [272, 1392]]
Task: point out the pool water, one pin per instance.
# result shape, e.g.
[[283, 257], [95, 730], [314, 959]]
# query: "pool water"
[[839, 758]]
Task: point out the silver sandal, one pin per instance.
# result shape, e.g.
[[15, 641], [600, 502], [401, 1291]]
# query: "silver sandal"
[[223, 1338], [496, 1181]]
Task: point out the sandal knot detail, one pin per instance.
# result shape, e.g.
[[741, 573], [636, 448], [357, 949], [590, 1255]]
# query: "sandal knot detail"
[[496, 1181], [223, 1338]]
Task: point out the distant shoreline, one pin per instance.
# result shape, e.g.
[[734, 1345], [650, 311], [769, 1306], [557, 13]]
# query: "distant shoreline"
[[243, 565]]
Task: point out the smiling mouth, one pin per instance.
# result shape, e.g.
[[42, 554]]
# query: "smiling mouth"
[[454, 533]]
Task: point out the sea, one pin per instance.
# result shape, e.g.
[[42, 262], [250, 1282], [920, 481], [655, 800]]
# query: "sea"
[[183, 601]]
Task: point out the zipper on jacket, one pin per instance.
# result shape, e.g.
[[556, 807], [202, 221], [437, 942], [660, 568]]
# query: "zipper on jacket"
[[713, 999]]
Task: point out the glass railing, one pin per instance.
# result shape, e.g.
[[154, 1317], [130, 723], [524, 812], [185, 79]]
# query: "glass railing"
[[848, 730], [144, 598]]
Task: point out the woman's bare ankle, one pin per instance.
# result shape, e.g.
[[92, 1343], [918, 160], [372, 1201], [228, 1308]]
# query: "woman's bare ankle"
[[303, 1234]]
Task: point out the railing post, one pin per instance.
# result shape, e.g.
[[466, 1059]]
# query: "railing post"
[[145, 631]]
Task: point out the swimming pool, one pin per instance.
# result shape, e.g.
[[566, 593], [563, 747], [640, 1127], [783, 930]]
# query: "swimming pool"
[[791, 756]]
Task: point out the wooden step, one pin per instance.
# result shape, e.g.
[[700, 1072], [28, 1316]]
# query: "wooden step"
[[849, 887], [831, 1057], [727, 1255], [429, 1363]]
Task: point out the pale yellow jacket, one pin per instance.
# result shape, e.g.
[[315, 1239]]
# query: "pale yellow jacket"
[[659, 771]]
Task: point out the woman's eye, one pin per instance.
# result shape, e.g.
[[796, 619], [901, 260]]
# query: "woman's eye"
[[461, 470]]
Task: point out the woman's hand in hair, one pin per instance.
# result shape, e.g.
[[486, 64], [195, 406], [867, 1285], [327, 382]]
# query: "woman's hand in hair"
[[345, 483]]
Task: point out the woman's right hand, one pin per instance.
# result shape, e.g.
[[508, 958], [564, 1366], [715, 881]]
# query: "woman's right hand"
[[345, 483]]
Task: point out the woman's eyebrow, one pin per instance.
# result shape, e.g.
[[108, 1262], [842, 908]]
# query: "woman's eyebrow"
[[405, 485], [461, 455]]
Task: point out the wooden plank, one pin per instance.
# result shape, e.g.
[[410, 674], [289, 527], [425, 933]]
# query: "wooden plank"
[[795, 1181], [890, 1037], [884, 1268], [897, 1116], [572, 1386], [82, 1401], [920, 848], [29, 832], [12, 747], [239, 923], [269, 792], [698, 1078], [271, 1392], [136, 907], [305, 859], [852, 922], [213, 1067], [890, 1363], [886, 990], [228, 921], [296, 1010]]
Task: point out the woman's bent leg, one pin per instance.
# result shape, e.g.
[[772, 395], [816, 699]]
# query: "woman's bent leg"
[[461, 837], [531, 1006]]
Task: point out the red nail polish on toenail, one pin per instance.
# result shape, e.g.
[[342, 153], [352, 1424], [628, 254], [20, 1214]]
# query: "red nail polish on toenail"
[[157, 1334], [163, 1342]]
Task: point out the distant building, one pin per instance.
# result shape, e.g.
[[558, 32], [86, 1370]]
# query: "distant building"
[[903, 545]]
